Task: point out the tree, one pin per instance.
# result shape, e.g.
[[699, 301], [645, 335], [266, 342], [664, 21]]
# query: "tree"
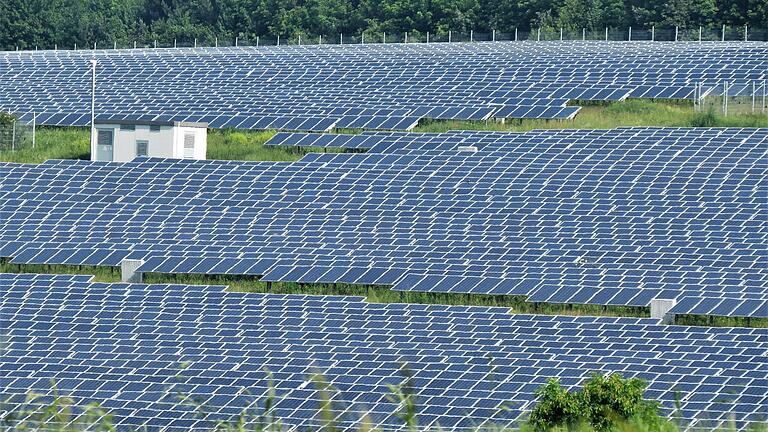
[[603, 402]]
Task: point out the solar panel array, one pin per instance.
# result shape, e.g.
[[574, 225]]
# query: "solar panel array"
[[136, 348], [372, 86], [607, 217]]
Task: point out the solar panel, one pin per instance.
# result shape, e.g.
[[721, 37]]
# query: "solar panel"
[[370, 86], [134, 347], [606, 217]]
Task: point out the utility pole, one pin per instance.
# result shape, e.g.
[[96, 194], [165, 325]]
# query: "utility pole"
[[93, 103]]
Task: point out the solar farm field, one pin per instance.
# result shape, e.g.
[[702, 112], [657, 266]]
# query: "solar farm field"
[[369, 86], [616, 221]]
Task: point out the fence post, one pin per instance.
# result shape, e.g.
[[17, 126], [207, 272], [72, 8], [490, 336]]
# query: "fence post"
[[699, 33], [236, 41], [676, 32], [561, 34], [449, 36], [745, 33], [174, 42], [653, 33], [493, 35], [216, 41], [384, 39], [34, 128], [362, 38], [471, 35], [754, 96], [155, 43], [695, 96], [13, 136], [606, 34], [583, 33], [278, 40], [341, 39], [538, 35], [765, 84], [725, 98], [55, 47], [115, 45], [515, 34], [299, 40], [320, 40], [630, 34], [406, 37], [427, 37], [134, 44], [257, 41], [722, 35], [195, 42]]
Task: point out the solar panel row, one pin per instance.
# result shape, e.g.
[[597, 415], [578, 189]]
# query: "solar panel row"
[[372, 86], [134, 348], [609, 217]]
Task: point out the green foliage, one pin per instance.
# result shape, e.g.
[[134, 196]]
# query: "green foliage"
[[605, 400], [557, 407], [27, 24], [6, 119], [54, 412], [706, 118], [404, 395], [604, 403]]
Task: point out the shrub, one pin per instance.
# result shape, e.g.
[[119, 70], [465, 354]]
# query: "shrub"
[[557, 407], [603, 403], [706, 118]]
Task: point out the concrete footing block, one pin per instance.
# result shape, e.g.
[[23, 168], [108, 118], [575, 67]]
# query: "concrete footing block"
[[660, 309], [128, 271]]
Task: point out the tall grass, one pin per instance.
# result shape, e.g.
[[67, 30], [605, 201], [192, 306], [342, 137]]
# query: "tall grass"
[[59, 412], [633, 112]]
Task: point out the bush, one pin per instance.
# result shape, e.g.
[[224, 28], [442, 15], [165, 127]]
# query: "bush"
[[603, 403], [706, 118], [557, 407]]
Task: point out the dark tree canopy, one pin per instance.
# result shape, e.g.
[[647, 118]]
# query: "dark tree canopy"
[[29, 23]]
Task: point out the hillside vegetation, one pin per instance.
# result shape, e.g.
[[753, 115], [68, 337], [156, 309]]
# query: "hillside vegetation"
[[27, 24]]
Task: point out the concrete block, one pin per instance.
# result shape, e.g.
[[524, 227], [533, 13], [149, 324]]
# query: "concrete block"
[[660, 309], [128, 271]]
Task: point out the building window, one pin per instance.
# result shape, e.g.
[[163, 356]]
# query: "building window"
[[189, 145], [154, 128], [127, 127], [142, 148]]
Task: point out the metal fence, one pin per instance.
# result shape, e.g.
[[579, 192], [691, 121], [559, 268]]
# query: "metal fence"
[[728, 98], [16, 134], [675, 34]]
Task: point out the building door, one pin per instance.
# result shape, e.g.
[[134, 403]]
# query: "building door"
[[189, 146], [105, 145]]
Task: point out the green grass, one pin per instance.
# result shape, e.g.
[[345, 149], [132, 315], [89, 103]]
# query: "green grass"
[[74, 143], [53, 143], [634, 112]]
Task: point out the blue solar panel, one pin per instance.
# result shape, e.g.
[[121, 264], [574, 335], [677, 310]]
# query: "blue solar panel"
[[123, 345], [371, 86], [608, 217]]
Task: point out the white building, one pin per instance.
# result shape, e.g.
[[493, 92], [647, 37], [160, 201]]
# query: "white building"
[[122, 141]]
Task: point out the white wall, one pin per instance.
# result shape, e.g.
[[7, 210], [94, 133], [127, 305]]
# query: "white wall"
[[168, 142], [201, 141]]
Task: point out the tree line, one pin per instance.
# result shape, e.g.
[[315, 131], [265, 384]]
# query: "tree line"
[[29, 23]]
